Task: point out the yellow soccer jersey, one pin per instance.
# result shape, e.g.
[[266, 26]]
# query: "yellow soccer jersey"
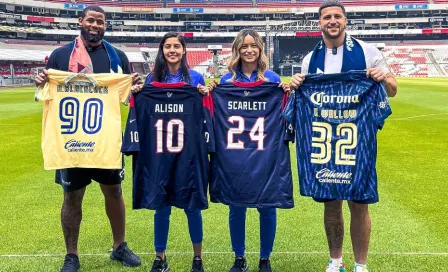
[[81, 122]]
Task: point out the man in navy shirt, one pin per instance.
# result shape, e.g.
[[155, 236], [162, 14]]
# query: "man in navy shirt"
[[103, 59]]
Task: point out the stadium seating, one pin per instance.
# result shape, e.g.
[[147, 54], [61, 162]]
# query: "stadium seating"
[[211, 4], [21, 70], [240, 3], [312, 3], [136, 3], [417, 59]]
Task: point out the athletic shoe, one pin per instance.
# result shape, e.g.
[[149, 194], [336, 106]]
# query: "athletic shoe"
[[71, 263], [359, 268], [160, 265], [197, 265], [264, 265], [125, 255], [335, 266], [240, 265]]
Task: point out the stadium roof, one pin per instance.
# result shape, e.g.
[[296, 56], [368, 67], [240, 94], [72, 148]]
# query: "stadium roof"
[[23, 54]]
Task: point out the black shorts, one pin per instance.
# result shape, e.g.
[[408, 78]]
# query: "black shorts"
[[72, 179], [366, 201]]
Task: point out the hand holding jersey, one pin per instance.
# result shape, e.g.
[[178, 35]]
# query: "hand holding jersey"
[[171, 168], [81, 122], [340, 53], [250, 165], [77, 116], [169, 132], [249, 63], [337, 117]]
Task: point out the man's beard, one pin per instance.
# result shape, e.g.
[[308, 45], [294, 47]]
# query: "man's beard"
[[332, 36], [92, 38]]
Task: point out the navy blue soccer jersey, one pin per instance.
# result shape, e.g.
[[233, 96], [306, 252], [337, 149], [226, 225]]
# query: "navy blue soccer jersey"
[[337, 117], [168, 132], [251, 164]]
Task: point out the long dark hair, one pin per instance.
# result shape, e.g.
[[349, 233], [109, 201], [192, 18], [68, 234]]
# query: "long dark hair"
[[161, 67]]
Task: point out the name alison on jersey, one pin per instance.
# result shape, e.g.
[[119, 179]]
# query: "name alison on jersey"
[[329, 176], [246, 105], [169, 108], [82, 87]]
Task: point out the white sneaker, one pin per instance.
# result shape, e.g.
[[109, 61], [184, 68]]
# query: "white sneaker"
[[359, 268], [335, 266]]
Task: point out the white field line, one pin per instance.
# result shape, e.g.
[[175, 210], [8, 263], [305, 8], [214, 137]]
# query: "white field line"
[[229, 253], [416, 116]]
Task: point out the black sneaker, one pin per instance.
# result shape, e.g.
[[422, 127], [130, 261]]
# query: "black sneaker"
[[123, 254], [240, 265], [71, 263], [197, 265], [264, 265], [160, 265]]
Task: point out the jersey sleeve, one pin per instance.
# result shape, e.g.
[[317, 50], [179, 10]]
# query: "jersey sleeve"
[[43, 93], [288, 125], [289, 110], [208, 132], [124, 88], [382, 106], [130, 140]]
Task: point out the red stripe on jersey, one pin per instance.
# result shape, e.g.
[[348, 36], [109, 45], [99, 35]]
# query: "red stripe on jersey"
[[285, 100], [207, 102], [248, 84], [131, 102], [168, 85]]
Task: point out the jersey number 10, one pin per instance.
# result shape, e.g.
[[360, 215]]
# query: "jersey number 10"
[[173, 123]]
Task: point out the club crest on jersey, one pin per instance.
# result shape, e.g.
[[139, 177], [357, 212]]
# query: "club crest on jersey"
[[246, 93], [383, 104], [321, 98], [169, 94]]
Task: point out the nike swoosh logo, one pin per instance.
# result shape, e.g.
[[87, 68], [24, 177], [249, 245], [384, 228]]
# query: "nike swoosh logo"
[[132, 121]]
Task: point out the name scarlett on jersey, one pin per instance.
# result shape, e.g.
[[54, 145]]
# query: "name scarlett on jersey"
[[84, 88], [246, 105]]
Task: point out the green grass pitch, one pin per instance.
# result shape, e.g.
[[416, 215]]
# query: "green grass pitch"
[[409, 224]]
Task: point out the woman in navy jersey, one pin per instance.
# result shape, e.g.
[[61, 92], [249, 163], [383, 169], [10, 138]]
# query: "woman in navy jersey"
[[171, 67], [249, 63]]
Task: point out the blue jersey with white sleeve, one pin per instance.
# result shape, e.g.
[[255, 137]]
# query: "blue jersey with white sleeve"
[[337, 117], [168, 132], [251, 163]]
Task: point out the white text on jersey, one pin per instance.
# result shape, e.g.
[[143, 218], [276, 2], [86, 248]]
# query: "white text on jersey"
[[246, 105], [169, 108]]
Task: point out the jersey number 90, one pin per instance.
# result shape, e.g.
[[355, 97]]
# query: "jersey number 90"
[[92, 115]]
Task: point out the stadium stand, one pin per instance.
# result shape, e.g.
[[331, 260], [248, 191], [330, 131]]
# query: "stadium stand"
[[210, 4], [137, 3], [31, 34], [417, 59]]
